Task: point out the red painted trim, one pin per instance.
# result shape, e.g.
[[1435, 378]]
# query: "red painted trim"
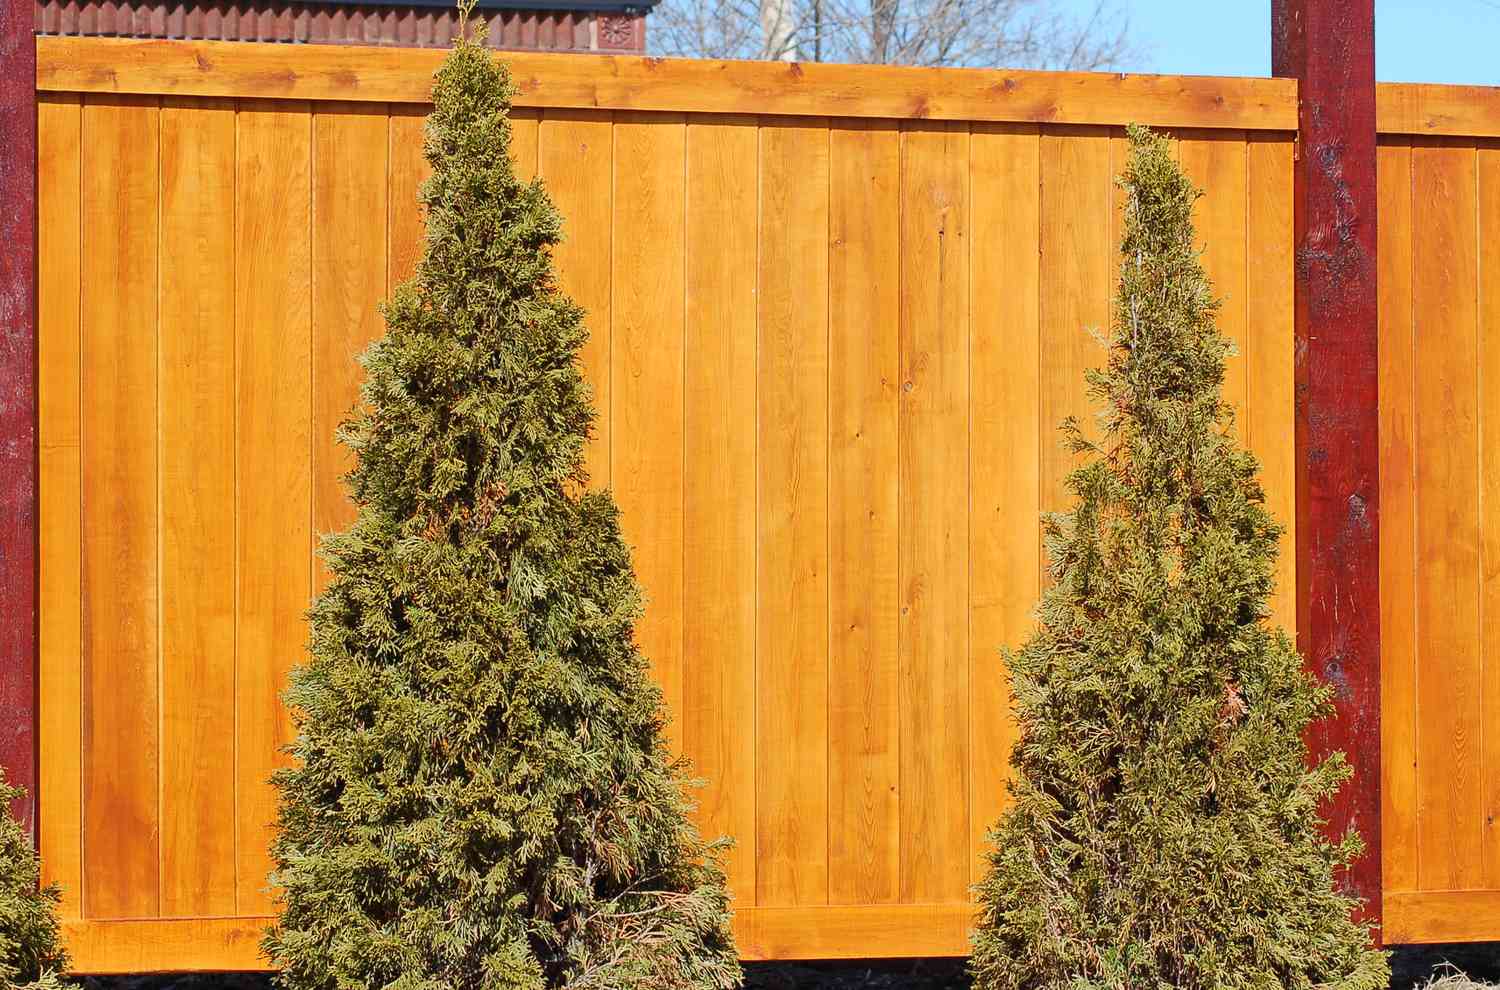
[[18, 410], [1329, 47]]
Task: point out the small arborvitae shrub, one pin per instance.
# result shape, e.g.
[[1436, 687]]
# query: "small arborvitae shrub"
[[481, 796], [31, 952], [1165, 829]]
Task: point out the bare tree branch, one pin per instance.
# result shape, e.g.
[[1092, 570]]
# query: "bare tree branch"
[[1030, 34]]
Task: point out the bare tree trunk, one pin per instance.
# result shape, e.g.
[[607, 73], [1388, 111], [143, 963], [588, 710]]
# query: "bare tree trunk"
[[777, 29]]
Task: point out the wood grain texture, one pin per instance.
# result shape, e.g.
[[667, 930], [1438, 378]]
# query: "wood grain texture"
[[1488, 316], [121, 604], [784, 497], [1005, 540], [1445, 269], [160, 945], [60, 498], [350, 144], [576, 161], [1329, 48], [719, 486], [18, 409], [646, 380], [791, 700], [864, 368], [1441, 916], [866, 931], [1076, 286], [610, 82], [523, 143], [934, 506], [274, 460], [1215, 162], [406, 223], [1270, 350], [901, 931], [1428, 109], [1398, 527], [196, 383]]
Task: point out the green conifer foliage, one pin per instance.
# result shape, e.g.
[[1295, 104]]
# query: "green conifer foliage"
[[1165, 827], [31, 952], [481, 795]]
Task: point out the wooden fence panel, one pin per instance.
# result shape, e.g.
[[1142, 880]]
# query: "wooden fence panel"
[[829, 356], [196, 384], [1440, 553]]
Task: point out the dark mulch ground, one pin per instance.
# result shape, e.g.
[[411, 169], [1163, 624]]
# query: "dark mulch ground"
[[1411, 965]]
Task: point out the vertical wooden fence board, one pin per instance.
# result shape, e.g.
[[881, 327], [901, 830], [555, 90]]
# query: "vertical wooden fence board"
[[791, 702], [1447, 435], [408, 170], [350, 144], [196, 381], [646, 378], [864, 280], [121, 800], [523, 142], [934, 507], [1269, 343], [60, 498], [576, 155], [1487, 237], [1398, 522], [1005, 537], [274, 459], [1077, 260], [1215, 162], [718, 608]]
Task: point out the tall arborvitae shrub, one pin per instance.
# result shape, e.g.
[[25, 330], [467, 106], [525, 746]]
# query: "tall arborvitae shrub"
[[31, 952], [481, 796], [1165, 830]]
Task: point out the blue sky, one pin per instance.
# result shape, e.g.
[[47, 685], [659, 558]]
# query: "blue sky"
[[1448, 41]]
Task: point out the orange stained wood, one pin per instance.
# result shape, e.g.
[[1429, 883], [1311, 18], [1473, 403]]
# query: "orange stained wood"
[[864, 368], [196, 469], [1446, 369], [646, 378], [350, 145], [274, 447], [1398, 508], [612, 82], [934, 509], [60, 408], [1005, 444], [719, 485], [575, 158], [1268, 417], [120, 593], [1487, 228], [1440, 550], [829, 355], [791, 697]]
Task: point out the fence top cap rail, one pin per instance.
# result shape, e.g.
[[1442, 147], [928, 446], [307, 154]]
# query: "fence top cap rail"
[[613, 82], [1427, 108]]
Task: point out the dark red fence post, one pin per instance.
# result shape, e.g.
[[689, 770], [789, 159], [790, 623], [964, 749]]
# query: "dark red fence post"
[[18, 411], [1329, 47]]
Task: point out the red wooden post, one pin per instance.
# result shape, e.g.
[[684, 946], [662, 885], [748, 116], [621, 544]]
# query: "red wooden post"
[[18, 410], [1329, 47]]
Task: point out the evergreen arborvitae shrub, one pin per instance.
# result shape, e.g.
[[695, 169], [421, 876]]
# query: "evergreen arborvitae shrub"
[[481, 796], [1165, 827], [31, 952]]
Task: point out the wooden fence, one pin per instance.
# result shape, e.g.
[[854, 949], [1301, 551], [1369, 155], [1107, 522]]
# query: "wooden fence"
[[836, 315], [1440, 534]]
